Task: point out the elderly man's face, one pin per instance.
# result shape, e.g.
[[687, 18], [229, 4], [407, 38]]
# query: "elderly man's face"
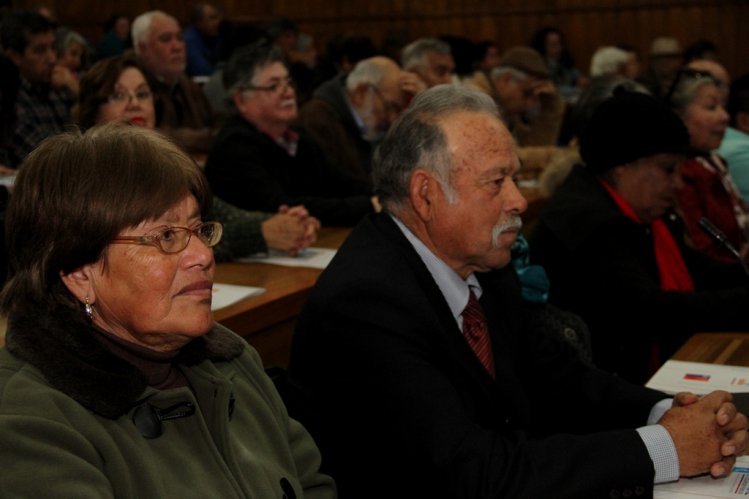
[[649, 184], [476, 231], [517, 96], [378, 106], [437, 69], [164, 49], [272, 105]]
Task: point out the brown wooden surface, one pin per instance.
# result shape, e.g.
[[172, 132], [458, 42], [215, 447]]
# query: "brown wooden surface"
[[716, 348], [267, 320], [587, 24]]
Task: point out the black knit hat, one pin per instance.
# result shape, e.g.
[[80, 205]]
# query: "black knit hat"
[[630, 126]]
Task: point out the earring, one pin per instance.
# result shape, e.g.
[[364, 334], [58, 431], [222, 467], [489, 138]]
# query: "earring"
[[89, 309]]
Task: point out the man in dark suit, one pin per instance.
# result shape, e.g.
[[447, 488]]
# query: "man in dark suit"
[[404, 405]]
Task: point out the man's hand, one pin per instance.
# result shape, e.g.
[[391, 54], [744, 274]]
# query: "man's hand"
[[708, 433], [62, 77]]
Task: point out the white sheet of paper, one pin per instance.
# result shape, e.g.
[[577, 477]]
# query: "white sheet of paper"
[[698, 377], [226, 294], [316, 258]]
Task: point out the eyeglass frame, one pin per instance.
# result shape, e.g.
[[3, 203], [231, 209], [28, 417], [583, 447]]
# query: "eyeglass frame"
[[390, 106], [131, 96], [278, 87], [153, 238]]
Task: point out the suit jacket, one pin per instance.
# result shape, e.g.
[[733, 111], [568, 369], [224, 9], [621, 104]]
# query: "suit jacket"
[[327, 116], [248, 169], [401, 407]]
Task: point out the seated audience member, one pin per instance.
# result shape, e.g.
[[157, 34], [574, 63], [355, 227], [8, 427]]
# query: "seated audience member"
[[666, 57], [701, 49], [417, 332], [259, 162], [73, 51], [735, 145], [299, 53], [551, 45], [632, 67], [708, 190], [609, 61], [716, 70], [186, 115], [117, 89], [430, 59], [349, 114], [614, 251], [116, 39], [116, 382], [487, 57], [523, 88], [202, 39], [45, 91]]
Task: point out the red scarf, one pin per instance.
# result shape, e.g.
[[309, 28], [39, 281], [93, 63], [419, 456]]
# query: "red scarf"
[[672, 270]]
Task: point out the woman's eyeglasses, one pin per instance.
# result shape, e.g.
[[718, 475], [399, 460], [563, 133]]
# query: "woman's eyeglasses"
[[124, 97], [176, 239]]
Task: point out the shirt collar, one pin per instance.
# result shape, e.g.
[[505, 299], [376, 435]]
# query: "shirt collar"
[[452, 286]]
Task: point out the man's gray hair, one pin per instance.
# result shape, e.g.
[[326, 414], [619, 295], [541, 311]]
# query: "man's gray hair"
[[416, 140], [413, 54], [142, 26], [368, 71], [499, 71]]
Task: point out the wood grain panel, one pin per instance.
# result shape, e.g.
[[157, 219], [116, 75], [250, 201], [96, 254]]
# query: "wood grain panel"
[[586, 23]]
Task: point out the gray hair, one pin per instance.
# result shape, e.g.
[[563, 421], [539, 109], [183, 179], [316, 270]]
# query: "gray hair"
[[607, 60], [246, 61], [688, 82], [368, 71], [416, 140], [516, 74], [142, 26], [413, 54]]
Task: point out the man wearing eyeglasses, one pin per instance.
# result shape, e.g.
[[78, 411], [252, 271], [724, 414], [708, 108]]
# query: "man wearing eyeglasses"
[[259, 162], [186, 114], [350, 113]]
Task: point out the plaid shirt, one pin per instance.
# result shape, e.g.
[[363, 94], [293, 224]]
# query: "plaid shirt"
[[41, 111]]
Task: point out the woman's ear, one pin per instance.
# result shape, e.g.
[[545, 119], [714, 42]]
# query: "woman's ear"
[[79, 282]]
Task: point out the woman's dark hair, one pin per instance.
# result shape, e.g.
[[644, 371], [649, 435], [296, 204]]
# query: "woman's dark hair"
[[98, 83], [538, 42], [75, 193]]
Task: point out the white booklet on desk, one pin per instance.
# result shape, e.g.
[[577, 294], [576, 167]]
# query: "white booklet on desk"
[[316, 258], [700, 378], [226, 294]]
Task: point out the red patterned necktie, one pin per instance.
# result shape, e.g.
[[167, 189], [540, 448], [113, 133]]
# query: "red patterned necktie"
[[476, 333]]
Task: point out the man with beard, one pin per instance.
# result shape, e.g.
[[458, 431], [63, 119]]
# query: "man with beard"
[[186, 114], [259, 162], [349, 114], [419, 371]]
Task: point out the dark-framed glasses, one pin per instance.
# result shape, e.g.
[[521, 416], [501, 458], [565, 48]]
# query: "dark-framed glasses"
[[277, 87], [124, 97], [390, 106], [176, 239]]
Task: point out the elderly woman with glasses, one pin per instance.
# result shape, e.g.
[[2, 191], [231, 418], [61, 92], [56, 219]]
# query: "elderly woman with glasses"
[[115, 380], [119, 89], [708, 190]]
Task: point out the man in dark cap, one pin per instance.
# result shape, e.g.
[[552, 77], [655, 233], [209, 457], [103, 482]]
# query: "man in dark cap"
[[531, 105], [613, 248]]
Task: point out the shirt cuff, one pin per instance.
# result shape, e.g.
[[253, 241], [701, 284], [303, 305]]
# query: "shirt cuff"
[[662, 452], [656, 413]]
